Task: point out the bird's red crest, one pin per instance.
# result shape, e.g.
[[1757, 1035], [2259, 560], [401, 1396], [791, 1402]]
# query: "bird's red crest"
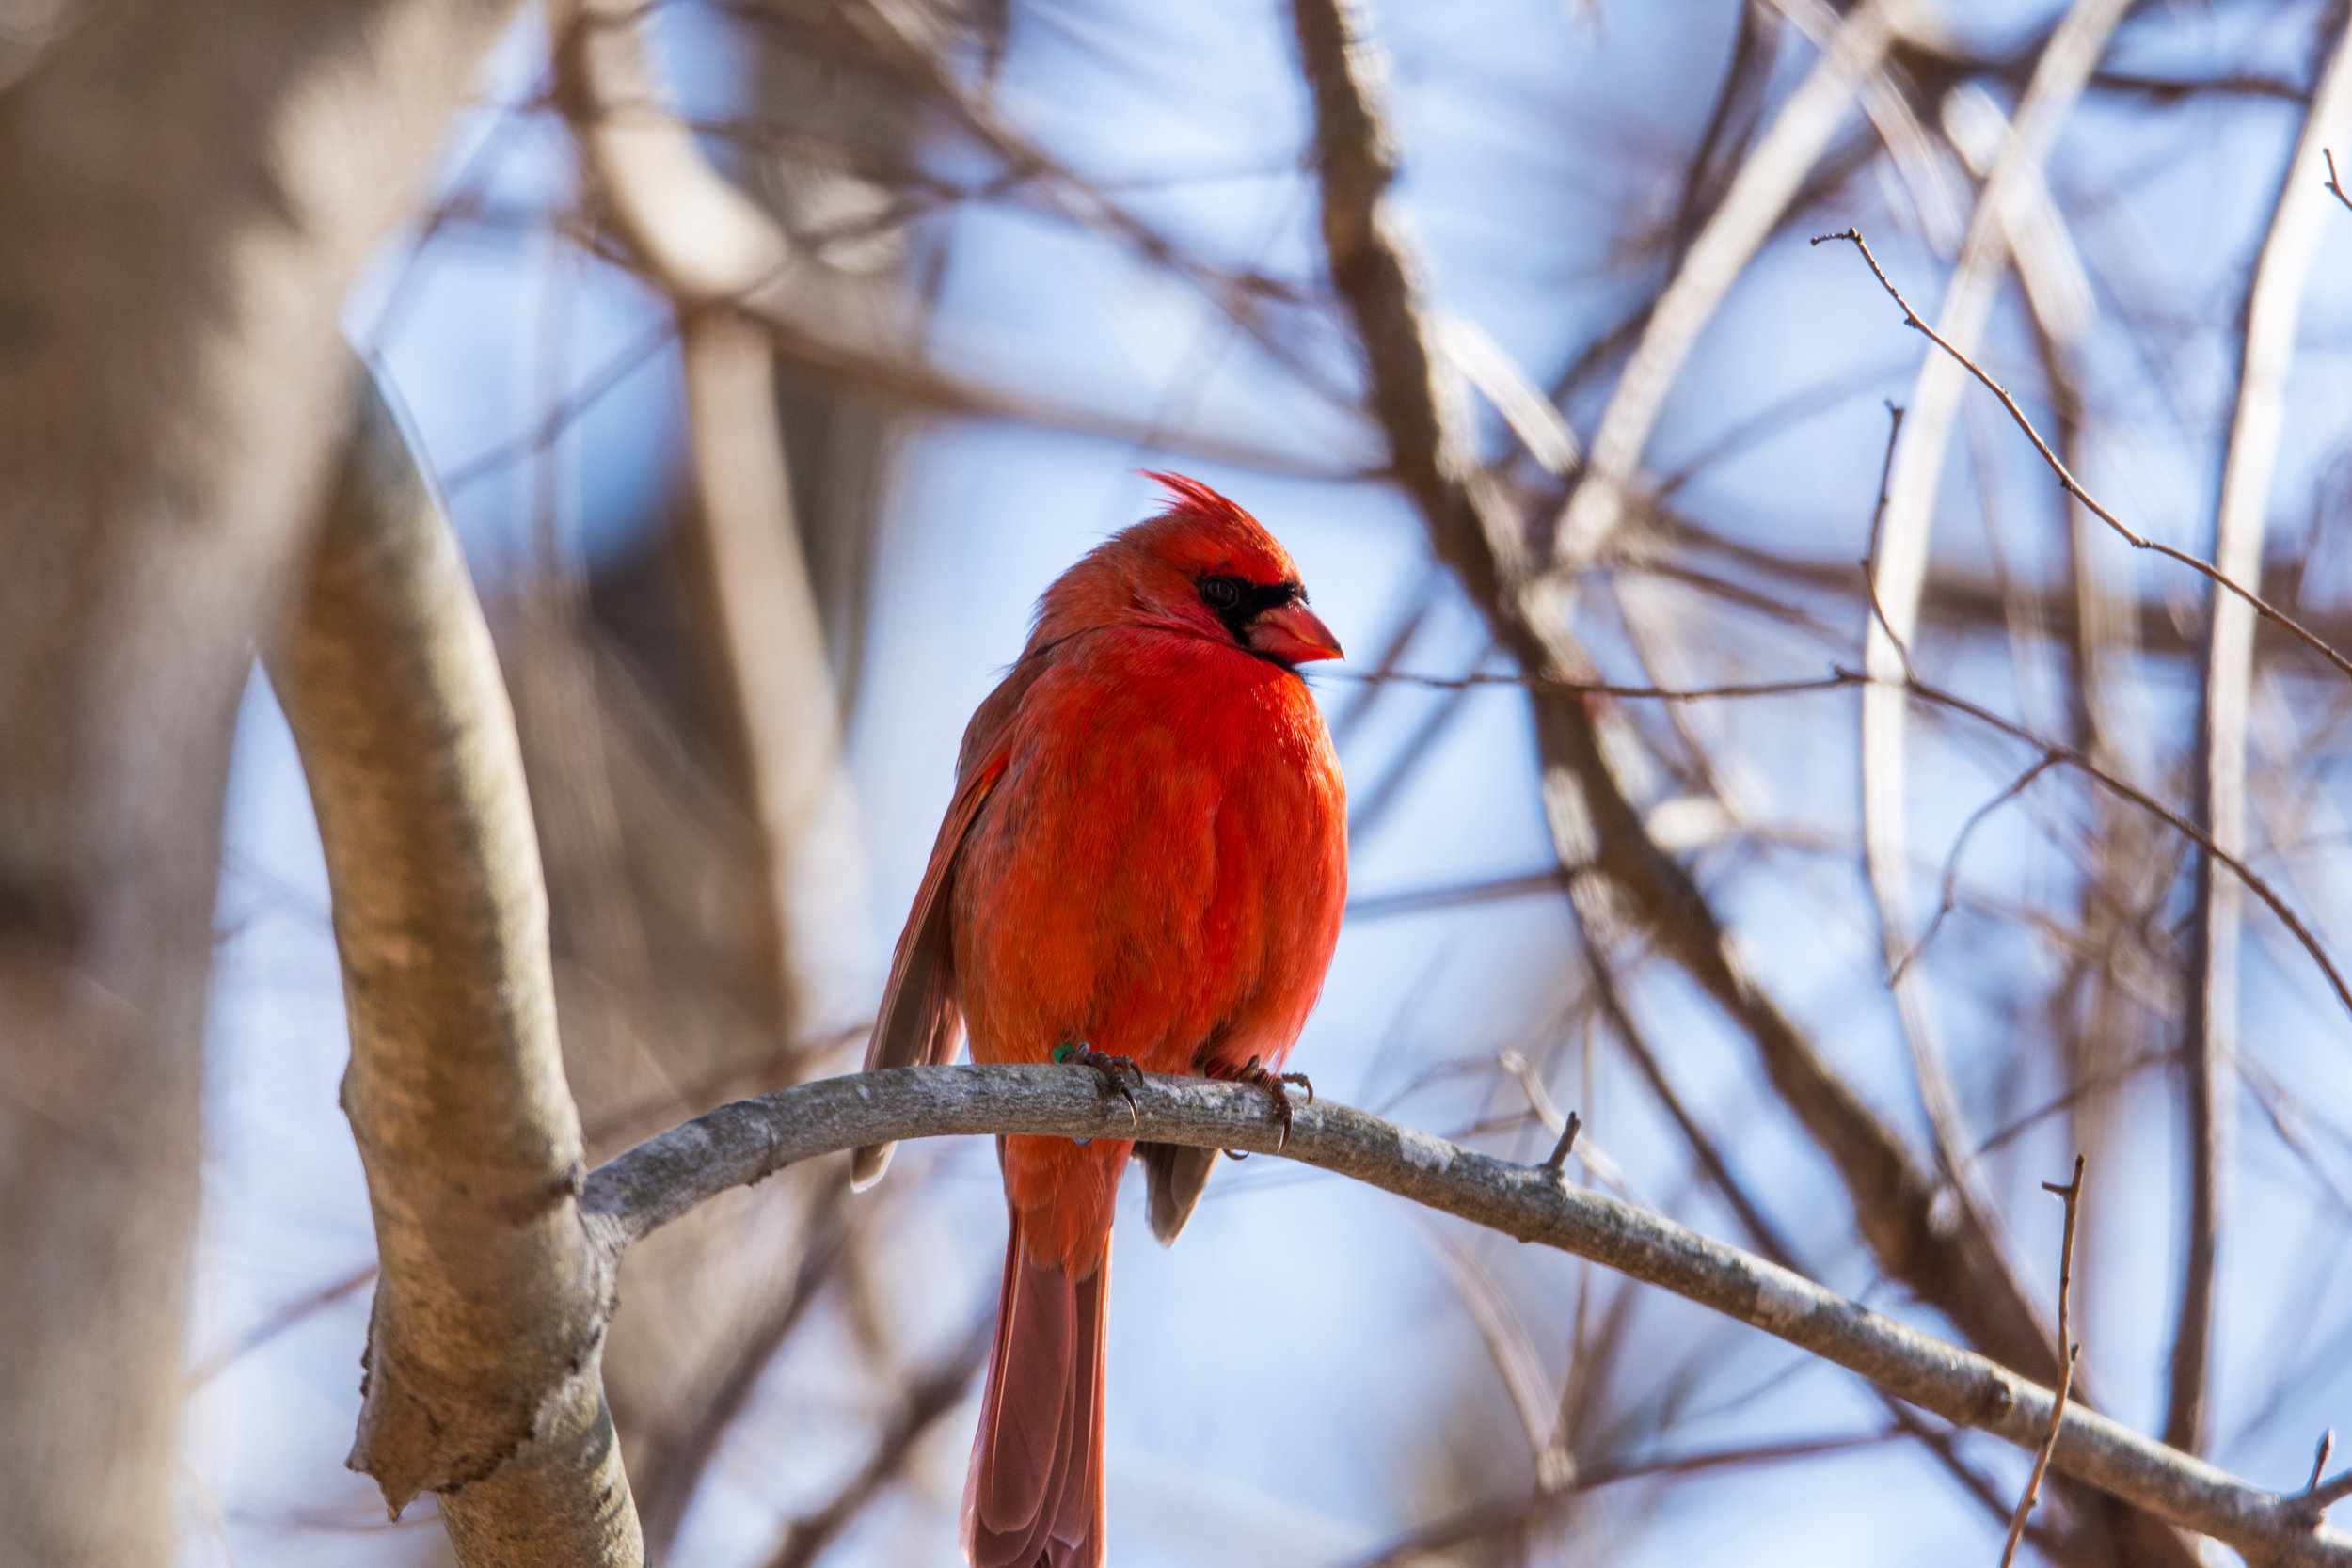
[[1207, 529]]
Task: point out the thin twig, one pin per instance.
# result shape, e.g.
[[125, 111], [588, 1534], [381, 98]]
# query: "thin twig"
[[1886, 475], [2333, 184], [1951, 861], [2068, 756], [2072, 486], [2071, 1195], [1604, 689], [2053, 751]]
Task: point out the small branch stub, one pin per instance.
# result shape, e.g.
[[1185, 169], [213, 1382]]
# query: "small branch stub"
[[1560, 1151]]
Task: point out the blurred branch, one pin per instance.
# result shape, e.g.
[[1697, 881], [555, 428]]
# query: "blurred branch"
[[1604, 846], [707, 245], [687, 1455], [766, 651], [2053, 754], [632, 1121], [1482, 1521], [1763, 1233], [1964, 603], [927, 56], [1750, 211], [667, 1176], [927, 1400], [188, 192], [483, 1348], [2274, 310], [1415, 396], [1605, 688], [1898, 569]]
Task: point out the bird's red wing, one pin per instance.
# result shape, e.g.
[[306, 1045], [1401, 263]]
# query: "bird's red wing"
[[919, 1021]]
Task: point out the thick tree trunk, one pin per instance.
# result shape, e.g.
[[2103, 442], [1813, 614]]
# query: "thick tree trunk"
[[187, 192]]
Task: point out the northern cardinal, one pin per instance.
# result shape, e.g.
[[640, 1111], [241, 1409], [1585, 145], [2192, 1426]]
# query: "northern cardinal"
[[1144, 865]]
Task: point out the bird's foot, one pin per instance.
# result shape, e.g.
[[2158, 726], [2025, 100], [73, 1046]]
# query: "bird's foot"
[[1258, 1075], [1120, 1075]]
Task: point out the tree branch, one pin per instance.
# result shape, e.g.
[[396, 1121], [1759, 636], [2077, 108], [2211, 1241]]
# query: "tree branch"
[[2274, 309], [665, 1177], [1751, 209], [483, 1381], [2074, 486], [709, 248], [1898, 571], [1605, 849]]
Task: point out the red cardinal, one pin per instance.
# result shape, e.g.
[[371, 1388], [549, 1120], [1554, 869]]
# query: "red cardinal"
[[1145, 859]]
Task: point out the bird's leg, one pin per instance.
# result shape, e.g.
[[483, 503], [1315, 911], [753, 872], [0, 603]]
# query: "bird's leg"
[[1120, 1074], [1257, 1075]]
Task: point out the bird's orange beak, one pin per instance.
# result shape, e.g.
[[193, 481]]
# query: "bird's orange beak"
[[1294, 634]]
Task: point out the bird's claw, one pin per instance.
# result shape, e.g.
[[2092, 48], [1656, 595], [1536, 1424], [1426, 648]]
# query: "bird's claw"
[[1257, 1075], [1120, 1075]]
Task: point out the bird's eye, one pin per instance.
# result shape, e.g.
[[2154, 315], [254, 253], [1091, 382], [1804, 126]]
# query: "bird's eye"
[[1221, 592]]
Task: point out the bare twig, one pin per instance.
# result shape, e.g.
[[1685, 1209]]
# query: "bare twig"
[[2071, 1195], [1886, 473], [667, 1176], [2074, 487], [1604, 689], [1951, 860], [2053, 754], [2334, 184], [2107, 779]]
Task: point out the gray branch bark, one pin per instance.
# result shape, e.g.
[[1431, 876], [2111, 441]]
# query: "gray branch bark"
[[668, 1175], [483, 1381]]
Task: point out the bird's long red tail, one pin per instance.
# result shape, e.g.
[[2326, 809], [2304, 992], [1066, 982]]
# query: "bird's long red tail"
[[1035, 1496]]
